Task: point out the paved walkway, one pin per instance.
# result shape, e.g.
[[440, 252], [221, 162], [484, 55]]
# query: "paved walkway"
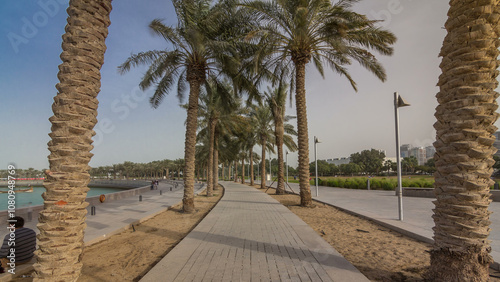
[[249, 236], [382, 206], [115, 216]]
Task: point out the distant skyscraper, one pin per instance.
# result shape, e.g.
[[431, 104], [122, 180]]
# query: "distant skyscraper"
[[405, 150], [429, 152], [420, 154]]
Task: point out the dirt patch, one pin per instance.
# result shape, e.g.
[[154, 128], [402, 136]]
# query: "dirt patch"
[[379, 253], [131, 254]]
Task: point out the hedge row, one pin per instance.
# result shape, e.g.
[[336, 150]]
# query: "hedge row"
[[375, 183]]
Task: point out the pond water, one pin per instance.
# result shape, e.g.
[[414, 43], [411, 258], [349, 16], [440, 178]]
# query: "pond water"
[[34, 198]]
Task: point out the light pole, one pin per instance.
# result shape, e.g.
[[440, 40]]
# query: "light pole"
[[286, 162], [316, 141], [270, 172], [398, 103]]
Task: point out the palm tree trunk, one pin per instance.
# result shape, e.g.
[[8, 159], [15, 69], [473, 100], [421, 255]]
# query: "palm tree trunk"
[[223, 172], [251, 167], [235, 171], [465, 117], [242, 170], [279, 132], [303, 135], [194, 79], [229, 171], [263, 165], [62, 221], [216, 169], [210, 176]]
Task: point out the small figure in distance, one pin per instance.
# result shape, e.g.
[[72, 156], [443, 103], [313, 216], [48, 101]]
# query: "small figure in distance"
[[21, 240]]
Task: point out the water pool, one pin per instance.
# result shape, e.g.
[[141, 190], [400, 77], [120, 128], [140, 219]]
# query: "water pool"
[[24, 199]]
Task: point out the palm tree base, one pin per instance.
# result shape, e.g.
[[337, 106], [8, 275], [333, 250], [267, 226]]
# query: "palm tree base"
[[470, 265], [188, 205], [280, 192]]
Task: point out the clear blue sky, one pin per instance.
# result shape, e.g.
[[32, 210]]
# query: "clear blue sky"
[[129, 129]]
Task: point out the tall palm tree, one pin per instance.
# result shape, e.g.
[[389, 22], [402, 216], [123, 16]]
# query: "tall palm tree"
[[465, 126], [276, 100], [262, 119], [294, 32], [217, 102], [62, 221], [197, 53]]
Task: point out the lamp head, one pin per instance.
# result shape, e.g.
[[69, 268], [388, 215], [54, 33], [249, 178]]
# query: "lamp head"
[[401, 102]]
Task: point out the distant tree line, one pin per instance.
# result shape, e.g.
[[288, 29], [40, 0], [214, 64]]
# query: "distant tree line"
[[371, 162], [23, 173]]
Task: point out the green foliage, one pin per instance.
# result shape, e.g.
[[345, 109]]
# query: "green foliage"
[[376, 183], [409, 164], [497, 162], [370, 161]]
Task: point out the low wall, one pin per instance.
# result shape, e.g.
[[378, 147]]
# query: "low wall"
[[429, 193], [31, 213]]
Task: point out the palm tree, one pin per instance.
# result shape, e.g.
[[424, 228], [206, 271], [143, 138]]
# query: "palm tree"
[[197, 53], [261, 118], [276, 99], [464, 147], [217, 102], [294, 32], [62, 221]]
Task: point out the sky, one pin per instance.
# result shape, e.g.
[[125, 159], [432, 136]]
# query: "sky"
[[128, 129]]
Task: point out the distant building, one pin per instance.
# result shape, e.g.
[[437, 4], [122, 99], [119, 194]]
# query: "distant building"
[[497, 143], [429, 152], [338, 161], [420, 154], [405, 150]]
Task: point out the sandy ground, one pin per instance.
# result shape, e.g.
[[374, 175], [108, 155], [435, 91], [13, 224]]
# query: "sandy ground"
[[379, 253], [131, 254]]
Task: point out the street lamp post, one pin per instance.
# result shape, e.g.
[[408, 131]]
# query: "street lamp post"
[[286, 162], [270, 171], [398, 103], [316, 141]]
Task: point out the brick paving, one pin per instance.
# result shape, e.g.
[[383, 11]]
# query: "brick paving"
[[249, 236]]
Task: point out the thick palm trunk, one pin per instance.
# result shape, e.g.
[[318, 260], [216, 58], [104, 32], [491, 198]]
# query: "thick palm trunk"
[[279, 132], [263, 165], [303, 135], [210, 176], [194, 79], [251, 167], [62, 221], [465, 118]]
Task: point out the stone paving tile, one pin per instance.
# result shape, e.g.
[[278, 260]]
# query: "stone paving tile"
[[249, 236]]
